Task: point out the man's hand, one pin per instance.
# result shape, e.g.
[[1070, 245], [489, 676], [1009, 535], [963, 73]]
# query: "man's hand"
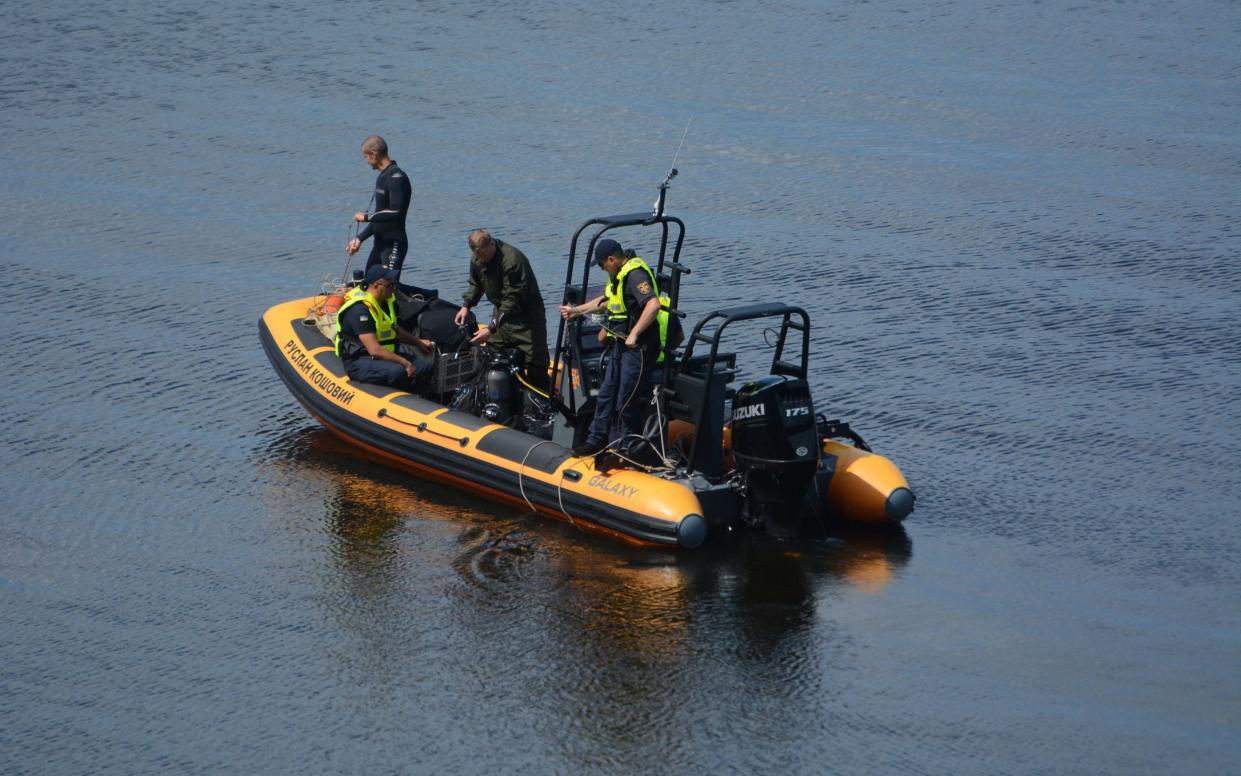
[[482, 336], [568, 312], [461, 315], [425, 345], [409, 368], [353, 246], [359, 217], [631, 341]]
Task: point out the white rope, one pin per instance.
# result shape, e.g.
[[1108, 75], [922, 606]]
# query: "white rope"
[[521, 473], [659, 429], [666, 467]]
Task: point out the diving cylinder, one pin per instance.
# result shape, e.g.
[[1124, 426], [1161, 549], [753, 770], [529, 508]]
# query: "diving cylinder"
[[498, 388]]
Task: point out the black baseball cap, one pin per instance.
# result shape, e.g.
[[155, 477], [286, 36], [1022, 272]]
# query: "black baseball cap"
[[379, 272], [606, 248]]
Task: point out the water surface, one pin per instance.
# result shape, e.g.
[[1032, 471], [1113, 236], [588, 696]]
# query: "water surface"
[[1015, 230]]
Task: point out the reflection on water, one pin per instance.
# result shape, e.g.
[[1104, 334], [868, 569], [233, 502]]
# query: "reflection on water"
[[370, 500], [630, 648], [644, 601]]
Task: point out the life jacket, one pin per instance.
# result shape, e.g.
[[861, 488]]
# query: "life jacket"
[[385, 325], [620, 319]]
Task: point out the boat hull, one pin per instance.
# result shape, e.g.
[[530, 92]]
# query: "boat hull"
[[473, 453]]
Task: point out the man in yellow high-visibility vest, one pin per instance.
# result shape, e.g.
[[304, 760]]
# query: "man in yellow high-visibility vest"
[[368, 335], [633, 337]]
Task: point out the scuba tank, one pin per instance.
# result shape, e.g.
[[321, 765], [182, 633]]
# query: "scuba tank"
[[500, 398], [497, 395]]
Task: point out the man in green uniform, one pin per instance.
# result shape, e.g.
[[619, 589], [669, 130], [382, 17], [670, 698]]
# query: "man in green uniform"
[[504, 275]]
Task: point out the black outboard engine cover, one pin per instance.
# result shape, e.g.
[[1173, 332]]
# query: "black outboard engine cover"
[[776, 446]]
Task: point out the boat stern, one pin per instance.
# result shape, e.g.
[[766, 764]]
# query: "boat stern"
[[863, 487]]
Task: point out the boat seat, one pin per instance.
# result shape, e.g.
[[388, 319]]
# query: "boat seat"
[[698, 398]]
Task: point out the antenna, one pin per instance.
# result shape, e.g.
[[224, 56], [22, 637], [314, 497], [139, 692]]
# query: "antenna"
[[658, 207]]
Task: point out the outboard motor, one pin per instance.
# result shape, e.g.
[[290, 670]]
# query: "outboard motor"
[[776, 447]]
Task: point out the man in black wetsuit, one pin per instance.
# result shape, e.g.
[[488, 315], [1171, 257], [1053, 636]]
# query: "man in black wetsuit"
[[387, 222]]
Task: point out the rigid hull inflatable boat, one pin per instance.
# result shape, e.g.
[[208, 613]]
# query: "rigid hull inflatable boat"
[[757, 456], [470, 451]]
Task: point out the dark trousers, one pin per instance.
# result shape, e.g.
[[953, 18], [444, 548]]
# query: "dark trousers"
[[623, 394], [388, 251], [531, 340], [365, 369]]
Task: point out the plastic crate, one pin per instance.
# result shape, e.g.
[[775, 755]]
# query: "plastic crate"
[[453, 370]]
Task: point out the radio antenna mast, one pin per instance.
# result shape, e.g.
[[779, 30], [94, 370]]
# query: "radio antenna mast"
[[658, 208]]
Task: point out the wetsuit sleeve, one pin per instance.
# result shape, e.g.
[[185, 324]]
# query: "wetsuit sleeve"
[[398, 190], [474, 290]]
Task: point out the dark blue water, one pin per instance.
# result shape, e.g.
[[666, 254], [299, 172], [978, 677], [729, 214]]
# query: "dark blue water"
[[1014, 225]]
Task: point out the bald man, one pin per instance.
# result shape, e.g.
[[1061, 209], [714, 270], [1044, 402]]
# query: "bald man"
[[387, 222]]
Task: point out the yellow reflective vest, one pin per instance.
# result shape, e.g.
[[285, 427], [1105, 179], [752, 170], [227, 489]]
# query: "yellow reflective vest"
[[385, 321], [618, 316]]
